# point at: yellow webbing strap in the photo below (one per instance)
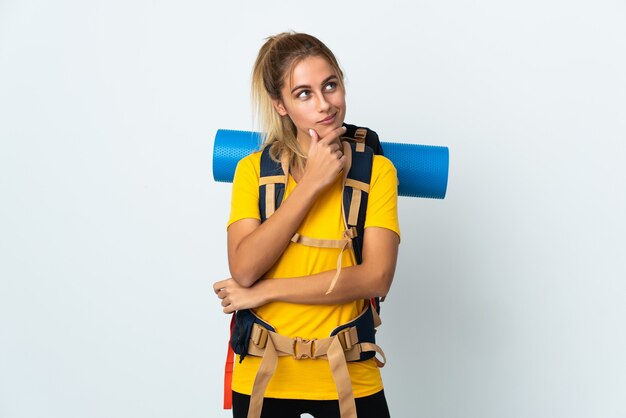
(338, 349)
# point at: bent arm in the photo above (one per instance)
(370, 279)
(253, 247)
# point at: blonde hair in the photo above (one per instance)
(277, 58)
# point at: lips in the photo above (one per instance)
(328, 120)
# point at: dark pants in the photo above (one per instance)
(373, 406)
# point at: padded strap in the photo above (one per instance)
(347, 152)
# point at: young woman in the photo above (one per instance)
(298, 91)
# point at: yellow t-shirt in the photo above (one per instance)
(311, 378)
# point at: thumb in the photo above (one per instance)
(314, 136)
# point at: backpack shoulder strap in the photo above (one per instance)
(272, 184)
(356, 192)
(364, 143)
(364, 135)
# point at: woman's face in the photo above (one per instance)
(312, 97)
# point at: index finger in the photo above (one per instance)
(333, 135)
(217, 286)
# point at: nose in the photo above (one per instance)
(323, 104)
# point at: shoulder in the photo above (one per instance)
(384, 174)
(247, 172)
(382, 164)
(250, 163)
(253, 158)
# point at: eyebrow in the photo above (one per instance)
(302, 86)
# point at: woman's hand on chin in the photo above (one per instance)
(325, 158)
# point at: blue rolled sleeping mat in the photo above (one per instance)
(422, 169)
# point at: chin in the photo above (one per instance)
(325, 130)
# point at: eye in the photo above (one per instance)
(304, 94)
(330, 86)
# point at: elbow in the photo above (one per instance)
(382, 283)
(244, 277)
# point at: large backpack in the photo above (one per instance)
(355, 339)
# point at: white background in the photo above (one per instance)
(509, 298)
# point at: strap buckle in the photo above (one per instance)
(345, 339)
(259, 336)
(303, 348)
(350, 233)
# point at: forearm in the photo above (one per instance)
(371, 278)
(354, 283)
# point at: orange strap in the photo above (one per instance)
(228, 370)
